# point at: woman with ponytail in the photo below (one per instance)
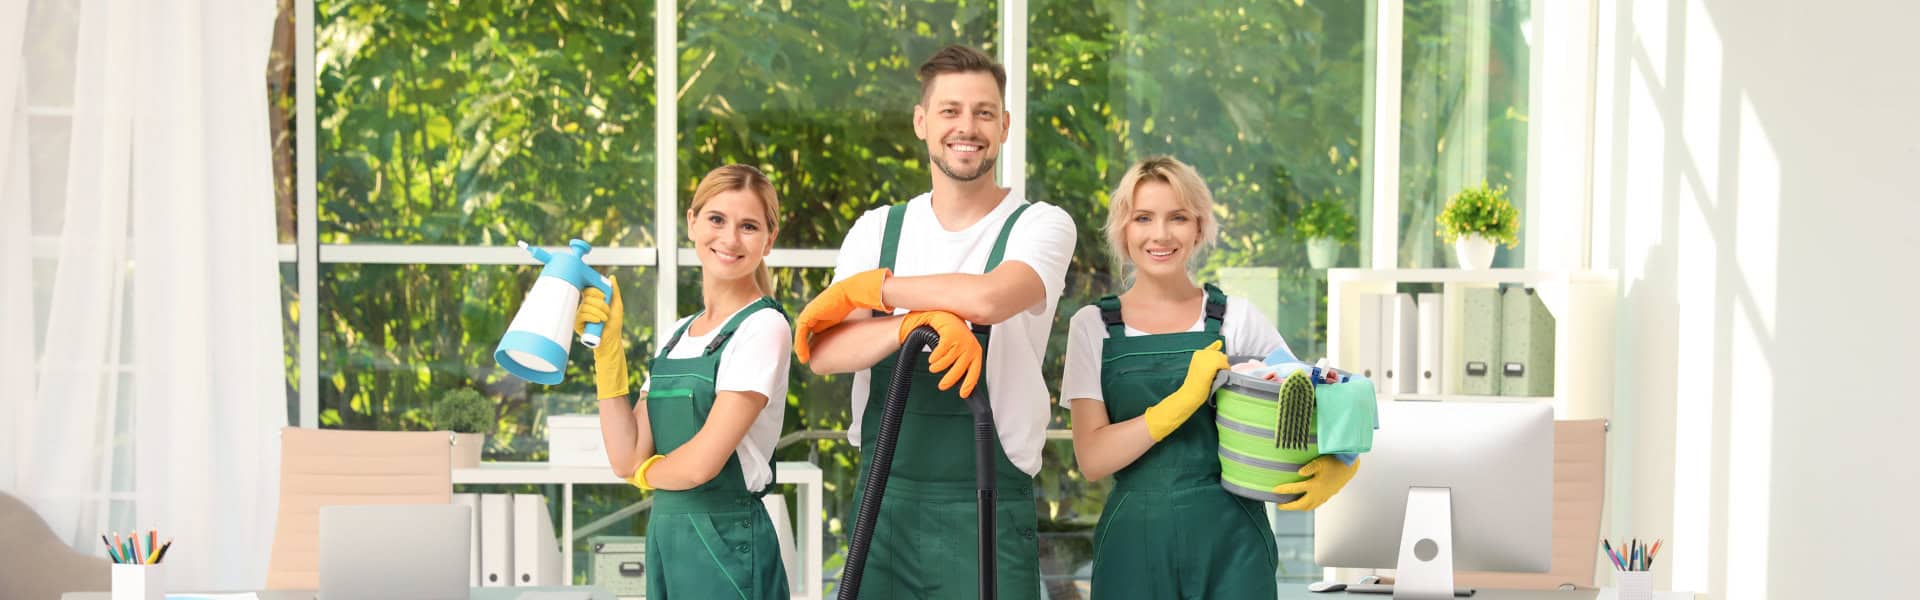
(702, 432)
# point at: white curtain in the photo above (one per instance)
(162, 380)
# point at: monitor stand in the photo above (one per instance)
(1425, 569)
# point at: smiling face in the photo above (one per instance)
(963, 123)
(731, 232)
(1161, 234)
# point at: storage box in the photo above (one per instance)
(1480, 341)
(574, 441)
(1526, 344)
(620, 564)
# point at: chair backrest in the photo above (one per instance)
(776, 505)
(336, 467)
(36, 563)
(1579, 487)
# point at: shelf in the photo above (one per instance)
(1464, 398)
(1487, 276)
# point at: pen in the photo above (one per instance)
(110, 551)
(162, 555)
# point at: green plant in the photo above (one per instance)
(463, 411)
(1327, 218)
(1481, 210)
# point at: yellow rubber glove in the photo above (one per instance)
(1167, 415)
(1325, 475)
(958, 354)
(610, 357)
(832, 306)
(639, 477)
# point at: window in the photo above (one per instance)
(445, 134)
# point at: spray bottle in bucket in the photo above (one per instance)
(535, 346)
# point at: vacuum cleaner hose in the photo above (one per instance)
(877, 472)
(868, 511)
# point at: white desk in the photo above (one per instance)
(1299, 592)
(807, 534)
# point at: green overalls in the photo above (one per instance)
(715, 540)
(926, 538)
(1168, 530)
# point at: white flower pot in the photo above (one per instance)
(1323, 252)
(466, 449)
(1473, 251)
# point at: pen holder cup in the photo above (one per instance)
(1627, 585)
(139, 582)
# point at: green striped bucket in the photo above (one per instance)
(1251, 459)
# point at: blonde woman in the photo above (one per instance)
(1168, 529)
(701, 435)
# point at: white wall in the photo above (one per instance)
(1757, 185)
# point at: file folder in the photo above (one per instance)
(1526, 344)
(1402, 343)
(536, 551)
(1427, 365)
(1480, 341)
(472, 502)
(496, 540)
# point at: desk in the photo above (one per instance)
(1299, 592)
(807, 533)
(493, 593)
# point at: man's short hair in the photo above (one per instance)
(957, 58)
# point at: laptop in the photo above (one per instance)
(377, 552)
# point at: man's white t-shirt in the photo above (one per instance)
(755, 360)
(1043, 240)
(1246, 333)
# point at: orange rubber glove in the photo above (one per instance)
(832, 306)
(610, 357)
(958, 354)
(1325, 476)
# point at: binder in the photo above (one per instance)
(536, 551)
(1368, 335)
(472, 502)
(1427, 365)
(1401, 343)
(1479, 341)
(496, 540)
(1526, 344)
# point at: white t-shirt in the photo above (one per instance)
(755, 360)
(1246, 332)
(1043, 240)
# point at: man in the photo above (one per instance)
(985, 269)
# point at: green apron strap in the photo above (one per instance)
(675, 340)
(1110, 314)
(1006, 231)
(1216, 308)
(726, 330)
(890, 241)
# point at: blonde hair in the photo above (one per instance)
(1187, 187)
(733, 178)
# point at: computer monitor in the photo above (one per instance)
(1448, 485)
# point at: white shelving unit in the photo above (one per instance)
(1582, 303)
(807, 533)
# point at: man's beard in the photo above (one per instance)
(986, 164)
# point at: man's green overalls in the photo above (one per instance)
(715, 540)
(926, 538)
(1168, 530)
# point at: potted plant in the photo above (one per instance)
(469, 416)
(1474, 220)
(1327, 226)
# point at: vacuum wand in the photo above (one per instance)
(891, 413)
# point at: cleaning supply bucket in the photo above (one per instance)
(1251, 420)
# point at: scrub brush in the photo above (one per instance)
(1295, 427)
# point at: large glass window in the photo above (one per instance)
(1265, 100)
(485, 122)
(471, 126)
(1463, 115)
